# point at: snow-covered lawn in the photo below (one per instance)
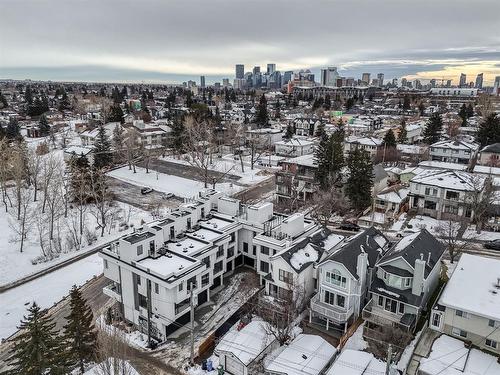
(15, 265)
(356, 341)
(45, 291)
(179, 186)
(227, 164)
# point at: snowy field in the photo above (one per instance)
(15, 265)
(227, 164)
(179, 186)
(45, 291)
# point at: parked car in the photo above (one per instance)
(346, 225)
(493, 245)
(167, 196)
(146, 190)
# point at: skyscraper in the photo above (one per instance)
(479, 81)
(496, 86)
(366, 78)
(271, 68)
(225, 82)
(463, 80)
(287, 77)
(202, 82)
(380, 78)
(240, 71)
(256, 69)
(329, 76)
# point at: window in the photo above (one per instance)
(143, 301)
(459, 332)
(340, 300)
(138, 278)
(181, 286)
(264, 267)
(380, 301)
(491, 343)
(191, 282)
(206, 260)
(157, 288)
(218, 267)
(329, 298)
(407, 281)
(139, 250)
(105, 263)
(430, 205)
(335, 278)
(205, 279)
(390, 305)
(254, 249)
(220, 252)
(233, 237)
(188, 223)
(436, 320)
(285, 276)
(491, 323)
(401, 308)
(264, 250)
(461, 313)
(230, 252)
(245, 247)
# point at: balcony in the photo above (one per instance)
(381, 317)
(335, 313)
(113, 291)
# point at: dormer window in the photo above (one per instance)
(336, 278)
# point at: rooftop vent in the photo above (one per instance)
(304, 356)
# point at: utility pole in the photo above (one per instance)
(389, 360)
(191, 305)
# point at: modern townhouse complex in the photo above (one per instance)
(468, 307)
(453, 151)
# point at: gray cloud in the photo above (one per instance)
(192, 37)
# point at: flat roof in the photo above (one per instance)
(166, 265)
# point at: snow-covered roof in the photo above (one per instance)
(306, 160)
(455, 145)
(484, 169)
(108, 366)
(166, 265)
(433, 164)
(305, 355)
(355, 362)
(305, 255)
(455, 180)
(295, 142)
(393, 195)
(77, 150)
(247, 343)
(476, 278)
(449, 356)
(367, 141)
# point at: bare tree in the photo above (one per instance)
(449, 234)
(479, 199)
(282, 313)
(21, 224)
(132, 147)
(199, 145)
(328, 202)
(35, 162)
(102, 199)
(5, 169)
(113, 353)
(50, 165)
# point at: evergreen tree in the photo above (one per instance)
(403, 135)
(102, 149)
(28, 95)
(262, 117)
(277, 111)
(13, 130)
(360, 180)
(36, 350)
(327, 103)
(117, 141)
(320, 130)
(463, 114)
(421, 108)
(3, 101)
(336, 153)
(433, 129)
(79, 174)
(115, 114)
(44, 126)
(189, 99)
(406, 103)
(470, 110)
(178, 134)
(322, 158)
(389, 139)
(64, 103)
(329, 156)
(79, 333)
(489, 131)
(289, 132)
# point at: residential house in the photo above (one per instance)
(296, 180)
(344, 277)
(405, 278)
(469, 306)
(88, 137)
(370, 144)
(490, 155)
(356, 362)
(446, 194)
(76, 151)
(264, 136)
(294, 147)
(453, 151)
(305, 126)
(359, 125)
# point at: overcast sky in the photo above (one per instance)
(174, 40)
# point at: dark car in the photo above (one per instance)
(349, 226)
(146, 190)
(493, 245)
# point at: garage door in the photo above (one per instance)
(233, 366)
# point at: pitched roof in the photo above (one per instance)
(495, 147)
(411, 247)
(370, 241)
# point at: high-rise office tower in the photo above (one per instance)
(433, 82)
(448, 83)
(202, 81)
(287, 77)
(256, 69)
(463, 80)
(240, 71)
(380, 78)
(271, 68)
(479, 81)
(329, 76)
(225, 82)
(496, 86)
(366, 78)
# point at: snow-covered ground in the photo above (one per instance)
(45, 291)
(227, 164)
(356, 341)
(179, 186)
(15, 265)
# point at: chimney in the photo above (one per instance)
(362, 268)
(429, 258)
(418, 276)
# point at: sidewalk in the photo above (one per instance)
(422, 350)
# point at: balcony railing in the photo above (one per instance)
(335, 313)
(113, 291)
(379, 316)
